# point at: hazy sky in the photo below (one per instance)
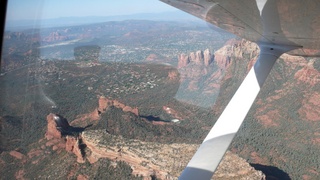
(45, 9)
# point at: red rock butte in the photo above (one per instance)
(105, 103)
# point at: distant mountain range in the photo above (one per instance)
(72, 21)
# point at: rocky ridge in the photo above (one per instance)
(147, 159)
(104, 104)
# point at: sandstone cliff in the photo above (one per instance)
(57, 126)
(200, 75)
(61, 135)
(200, 58)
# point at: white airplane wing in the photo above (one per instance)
(277, 26)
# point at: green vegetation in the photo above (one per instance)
(119, 171)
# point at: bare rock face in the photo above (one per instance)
(73, 145)
(17, 154)
(105, 103)
(173, 75)
(199, 58)
(56, 126)
(93, 117)
(208, 58)
(192, 56)
(199, 76)
(82, 177)
(308, 75)
(183, 60)
(310, 108)
(223, 56)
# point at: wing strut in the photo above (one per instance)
(208, 156)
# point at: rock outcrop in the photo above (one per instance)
(198, 58)
(73, 145)
(58, 136)
(105, 103)
(183, 60)
(164, 161)
(56, 127)
(55, 36)
(308, 75)
(208, 58)
(173, 75)
(200, 75)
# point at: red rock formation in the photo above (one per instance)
(70, 143)
(117, 104)
(55, 126)
(192, 57)
(86, 119)
(20, 174)
(208, 59)
(73, 145)
(183, 60)
(310, 108)
(192, 74)
(269, 119)
(17, 154)
(222, 57)
(173, 75)
(82, 177)
(132, 110)
(105, 103)
(198, 58)
(308, 75)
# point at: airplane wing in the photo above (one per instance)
(277, 26)
(283, 22)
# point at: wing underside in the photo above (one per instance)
(284, 22)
